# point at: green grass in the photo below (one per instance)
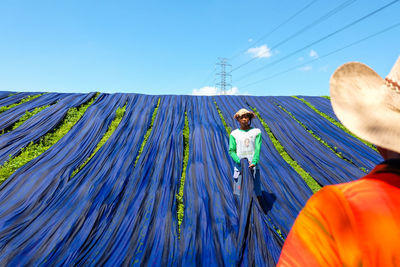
(333, 149)
(314, 186)
(119, 114)
(179, 196)
(33, 150)
(227, 128)
(336, 123)
(29, 98)
(147, 134)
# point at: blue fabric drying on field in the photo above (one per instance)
(152, 220)
(350, 147)
(284, 190)
(322, 104)
(38, 125)
(315, 158)
(4, 94)
(90, 209)
(113, 213)
(14, 98)
(32, 187)
(210, 224)
(143, 229)
(211, 228)
(256, 245)
(11, 116)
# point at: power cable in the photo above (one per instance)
(309, 26)
(209, 76)
(321, 39)
(275, 29)
(323, 56)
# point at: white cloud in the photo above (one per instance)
(305, 68)
(313, 54)
(260, 52)
(210, 90)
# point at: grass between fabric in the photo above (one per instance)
(179, 196)
(119, 114)
(333, 149)
(227, 128)
(34, 150)
(147, 134)
(314, 186)
(335, 122)
(29, 98)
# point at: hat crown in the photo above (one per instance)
(243, 111)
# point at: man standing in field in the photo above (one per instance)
(356, 223)
(245, 142)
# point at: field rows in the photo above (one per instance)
(128, 179)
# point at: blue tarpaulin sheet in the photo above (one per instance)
(348, 146)
(35, 127)
(6, 101)
(283, 188)
(303, 147)
(322, 104)
(116, 213)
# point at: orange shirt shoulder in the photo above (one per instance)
(351, 224)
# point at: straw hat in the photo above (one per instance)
(244, 111)
(367, 104)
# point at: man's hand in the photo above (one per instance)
(251, 166)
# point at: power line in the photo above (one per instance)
(321, 39)
(275, 29)
(323, 56)
(209, 76)
(309, 26)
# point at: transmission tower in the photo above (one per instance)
(224, 75)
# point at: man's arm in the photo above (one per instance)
(256, 156)
(232, 149)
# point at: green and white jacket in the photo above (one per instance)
(245, 144)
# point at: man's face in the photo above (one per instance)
(244, 120)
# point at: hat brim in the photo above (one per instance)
(363, 103)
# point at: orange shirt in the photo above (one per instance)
(350, 224)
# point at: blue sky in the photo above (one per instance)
(171, 47)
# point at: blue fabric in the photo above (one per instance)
(210, 223)
(285, 191)
(322, 104)
(255, 232)
(38, 125)
(11, 116)
(32, 187)
(6, 101)
(113, 213)
(4, 94)
(237, 180)
(350, 147)
(303, 147)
